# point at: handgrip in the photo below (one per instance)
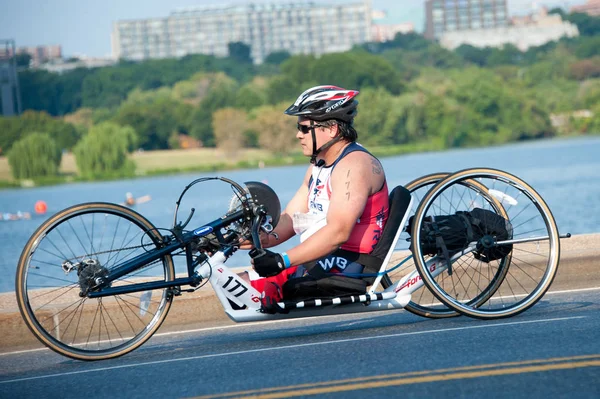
(256, 252)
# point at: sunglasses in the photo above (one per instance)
(306, 128)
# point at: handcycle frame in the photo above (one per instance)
(231, 288)
(63, 317)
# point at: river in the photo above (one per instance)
(566, 172)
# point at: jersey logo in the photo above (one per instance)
(333, 261)
(318, 187)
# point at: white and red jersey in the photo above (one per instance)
(369, 226)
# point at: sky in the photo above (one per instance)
(83, 27)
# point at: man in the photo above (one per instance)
(340, 208)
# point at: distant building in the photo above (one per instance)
(386, 32)
(442, 16)
(524, 32)
(41, 54)
(61, 65)
(592, 7)
(299, 28)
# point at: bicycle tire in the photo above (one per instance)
(526, 212)
(421, 304)
(59, 261)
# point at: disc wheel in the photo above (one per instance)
(532, 248)
(423, 302)
(60, 264)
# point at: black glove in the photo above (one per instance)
(267, 263)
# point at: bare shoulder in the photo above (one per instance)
(360, 166)
(363, 162)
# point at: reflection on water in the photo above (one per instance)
(565, 172)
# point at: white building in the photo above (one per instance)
(299, 28)
(61, 66)
(524, 32)
(386, 32)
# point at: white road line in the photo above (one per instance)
(245, 352)
(241, 325)
(569, 291)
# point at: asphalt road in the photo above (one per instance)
(551, 350)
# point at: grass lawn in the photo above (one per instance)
(173, 161)
(153, 161)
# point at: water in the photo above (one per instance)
(565, 172)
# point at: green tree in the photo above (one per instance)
(23, 60)
(240, 52)
(588, 95)
(594, 123)
(109, 86)
(474, 55)
(229, 125)
(403, 41)
(275, 129)
(250, 96)
(399, 59)
(16, 127)
(588, 25)
(559, 95)
(283, 88)
(434, 56)
(103, 151)
(588, 47)
(35, 155)
(220, 93)
(277, 57)
(156, 121)
(508, 54)
(375, 106)
(50, 92)
(585, 69)
(356, 69)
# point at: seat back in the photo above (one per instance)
(400, 205)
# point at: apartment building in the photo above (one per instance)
(299, 28)
(592, 7)
(443, 16)
(523, 32)
(39, 54)
(386, 32)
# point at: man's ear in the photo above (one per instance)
(334, 131)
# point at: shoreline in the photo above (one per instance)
(252, 160)
(578, 267)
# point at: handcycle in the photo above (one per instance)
(96, 280)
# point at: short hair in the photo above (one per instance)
(346, 129)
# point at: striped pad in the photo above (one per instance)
(342, 300)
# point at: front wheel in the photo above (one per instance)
(59, 265)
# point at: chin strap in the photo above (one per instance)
(315, 151)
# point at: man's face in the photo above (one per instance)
(304, 134)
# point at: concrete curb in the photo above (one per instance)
(578, 269)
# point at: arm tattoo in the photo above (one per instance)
(348, 186)
(376, 167)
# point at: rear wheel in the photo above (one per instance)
(532, 246)
(423, 302)
(61, 262)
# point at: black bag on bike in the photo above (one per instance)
(447, 234)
